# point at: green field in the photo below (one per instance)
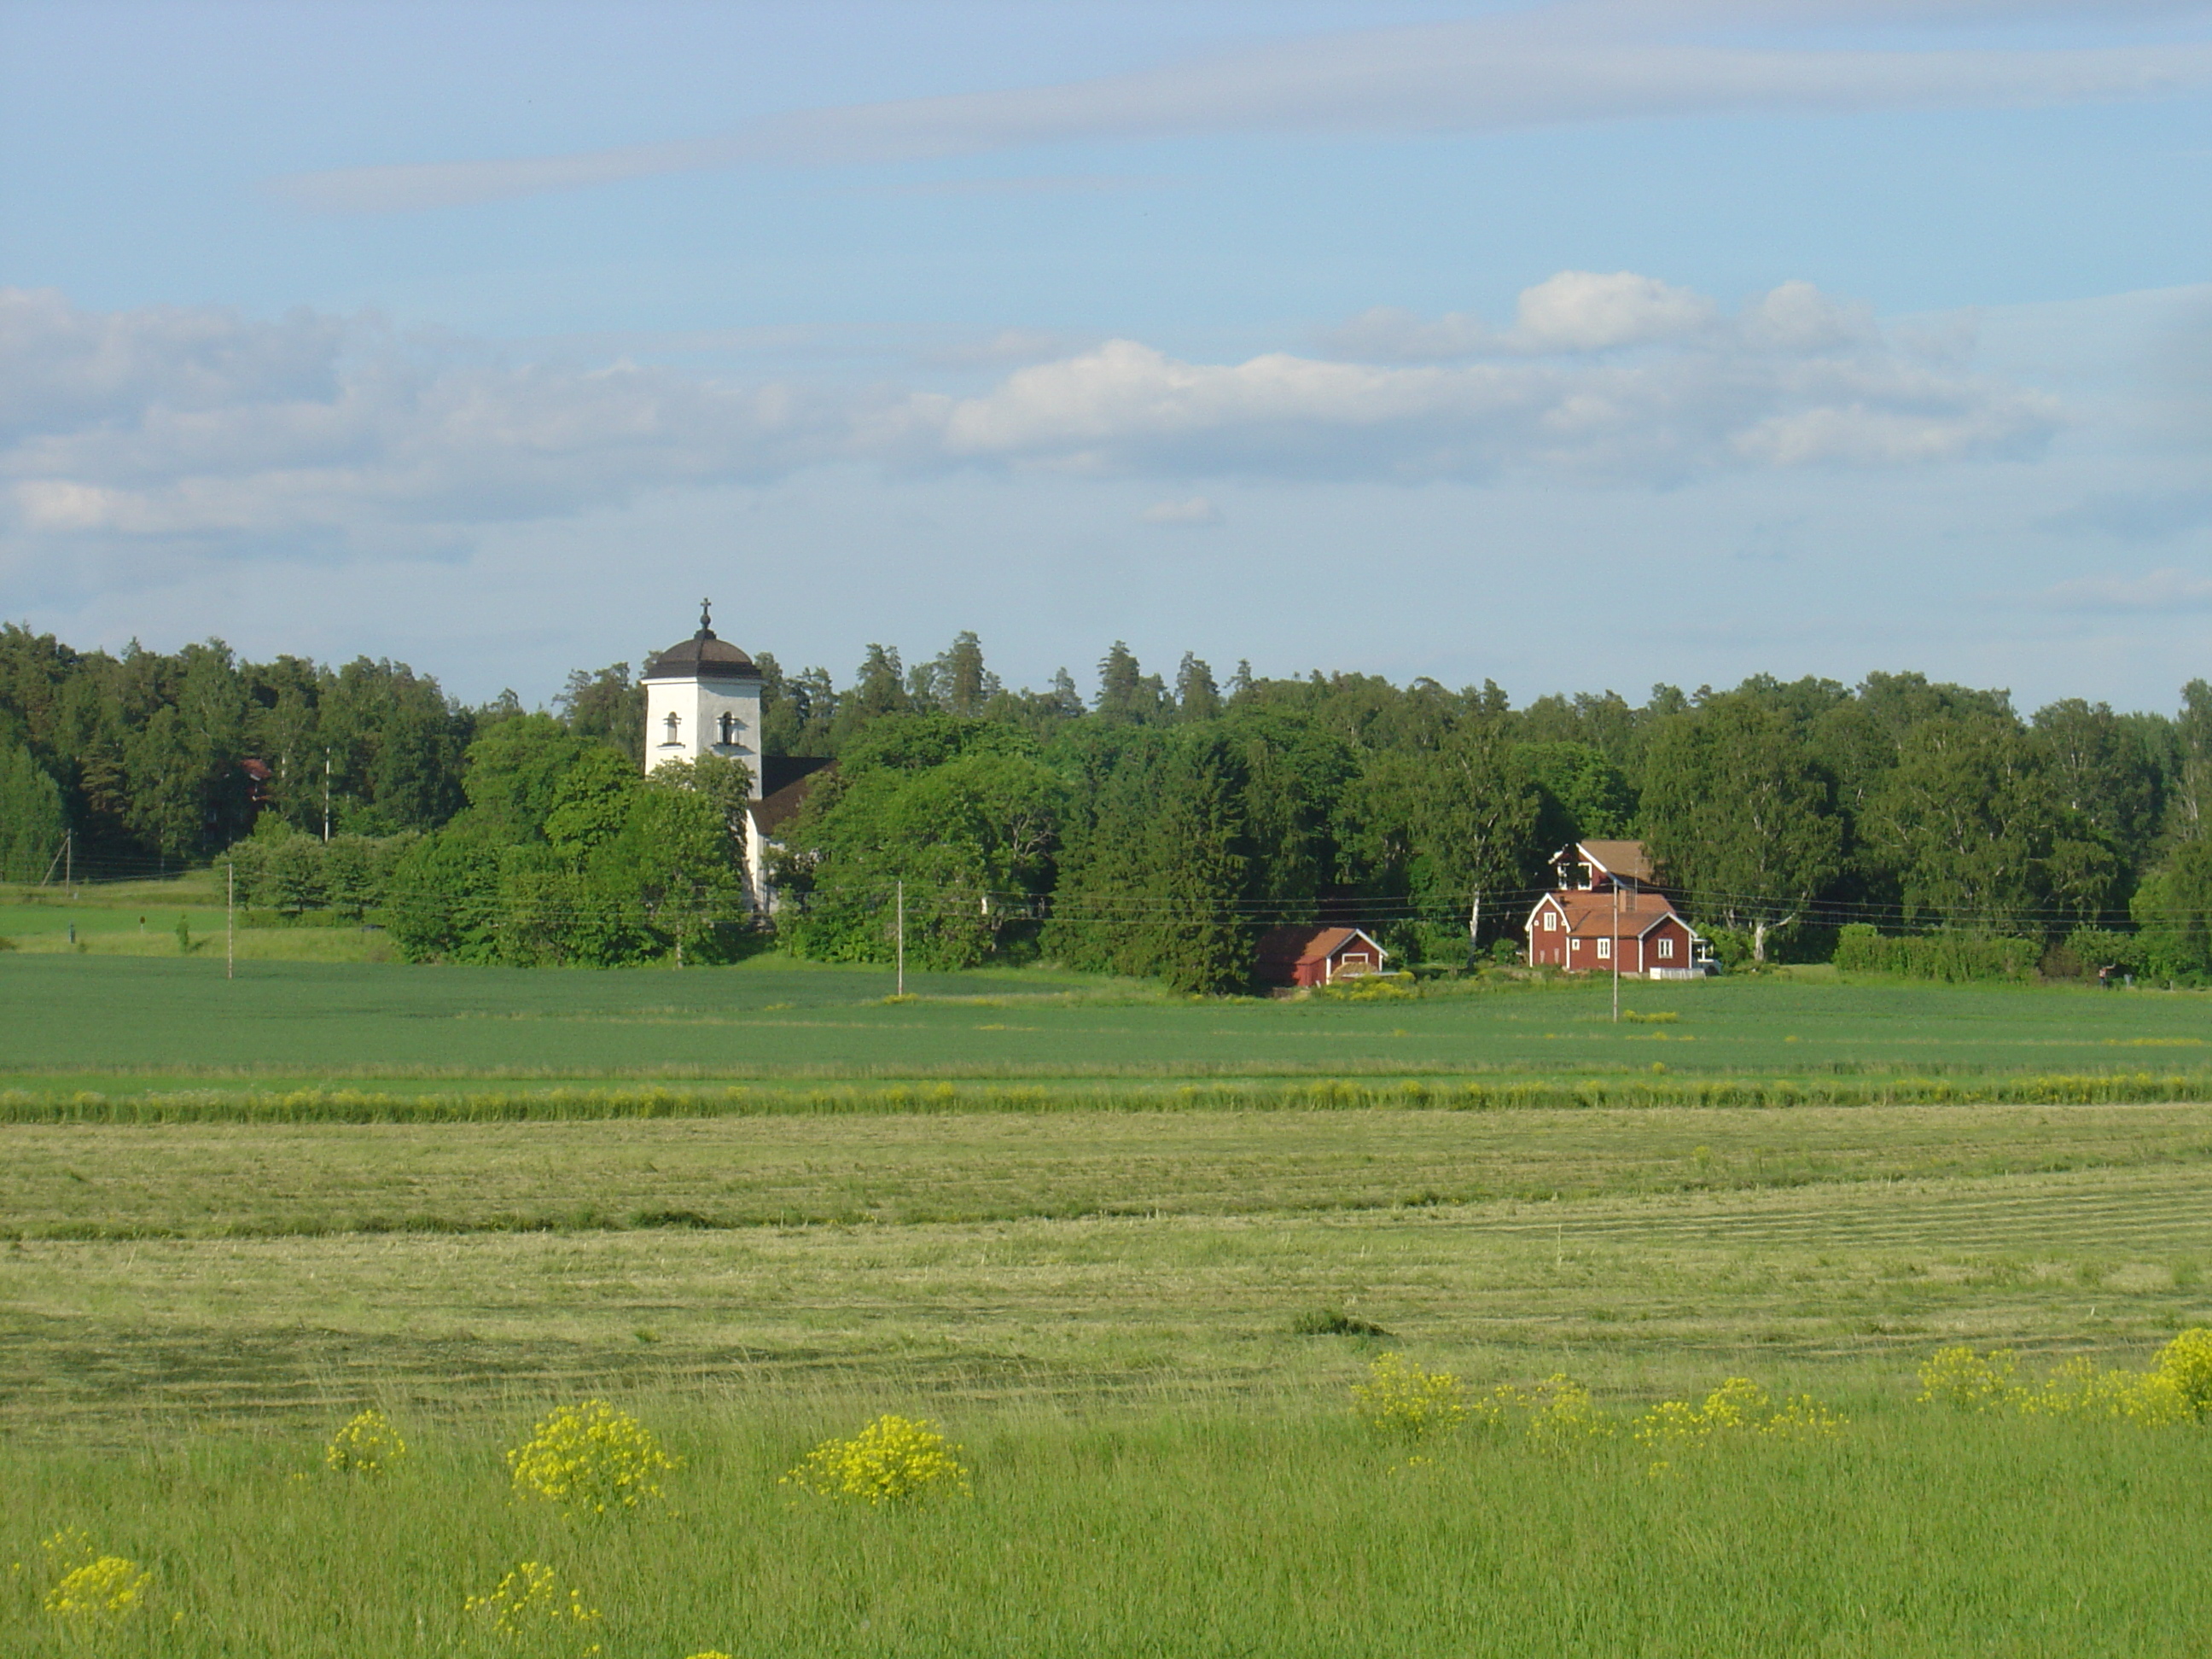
(1103, 1237)
(137, 1023)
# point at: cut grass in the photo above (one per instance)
(1114, 1315)
(237, 1273)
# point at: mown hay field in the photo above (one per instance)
(1142, 1331)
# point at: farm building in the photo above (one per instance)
(1608, 914)
(1315, 956)
(1599, 865)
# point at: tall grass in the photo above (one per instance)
(572, 1104)
(1176, 1532)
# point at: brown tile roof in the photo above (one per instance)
(1591, 914)
(1620, 858)
(1305, 944)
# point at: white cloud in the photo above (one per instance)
(1195, 510)
(1794, 379)
(1565, 62)
(1582, 310)
(166, 423)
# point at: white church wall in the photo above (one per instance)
(697, 707)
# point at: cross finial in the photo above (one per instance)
(706, 617)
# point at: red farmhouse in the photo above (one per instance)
(1315, 956)
(1607, 912)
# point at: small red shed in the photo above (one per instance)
(1315, 956)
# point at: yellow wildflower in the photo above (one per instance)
(1970, 1382)
(893, 1458)
(1401, 1402)
(1562, 1415)
(2177, 1386)
(92, 1590)
(527, 1603)
(2186, 1363)
(589, 1458)
(368, 1444)
(1738, 1406)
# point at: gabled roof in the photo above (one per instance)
(1295, 944)
(1591, 914)
(1625, 859)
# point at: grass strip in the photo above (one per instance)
(318, 1105)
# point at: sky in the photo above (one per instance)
(1574, 344)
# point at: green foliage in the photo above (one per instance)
(1951, 958)
(31, 819)
(1155, 874)
(515, 774)
(974, 835)
(443, 901)
(2173, 907)
(1587, 795)
(1741, 814)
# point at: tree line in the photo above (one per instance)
(1151, 827)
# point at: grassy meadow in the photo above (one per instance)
(1132, 1254)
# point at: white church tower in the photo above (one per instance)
(703, 696)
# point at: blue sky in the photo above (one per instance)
(1574, 346)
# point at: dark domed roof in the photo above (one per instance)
(701, 657)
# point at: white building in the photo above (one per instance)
(703, 696)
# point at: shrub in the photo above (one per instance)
(892, 1461)
(1562, 1416)
(1401, 1402)
(1953, 959)
(1738, 1407)
(589, 1458)
(2186, 1362)
(1969, 1382)
(2177, 1386)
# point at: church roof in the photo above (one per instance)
(701, 657)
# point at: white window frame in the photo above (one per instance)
(1666, 948)
(1605, 950)
(1550, 922)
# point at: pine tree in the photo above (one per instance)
(1197, 697)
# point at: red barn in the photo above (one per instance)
(1315, 956)
(1613, 918)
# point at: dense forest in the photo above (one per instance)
(1151, 827)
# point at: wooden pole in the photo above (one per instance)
(1616, 952)
(230, 920)
(901, 938)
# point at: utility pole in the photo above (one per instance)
(326, 797)
(68, 862)
(1616, 950)
(901, 938)
(230, 920)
